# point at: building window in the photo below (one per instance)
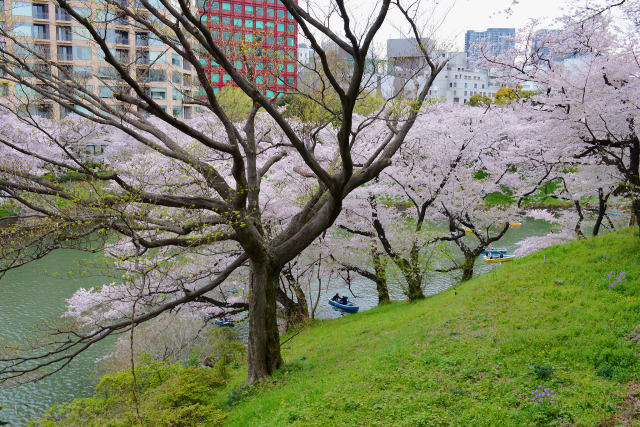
(158, 93)
(260, 11)
(176, 95)
(176, 77)
(107, 72)
(270, 12)
(280, 27)
(291, 28)
(226, 6)
(248, 23)
(41, 31)
(40, 11)
(177, 112)
(121, 37)
(280, 13)
(105, 92)
(176, 59)
(20, 8)
(237, 22)
(226, 21)
(259, 25)
(248, 10)
(64, 34)
(62, 15)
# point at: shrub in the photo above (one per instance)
(168, 395)
(542, 371)
(605, 371)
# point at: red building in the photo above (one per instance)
(260, 36)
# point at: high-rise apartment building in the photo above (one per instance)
(62, 46)
(259, 36)
(494, 41)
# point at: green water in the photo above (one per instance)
(36, 293)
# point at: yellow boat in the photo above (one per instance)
(505, 258)
(468, 230)
(511, 224)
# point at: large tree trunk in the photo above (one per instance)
(414, 289)
(264, 340)
(635, 213)
(467, 268)
(381, 273)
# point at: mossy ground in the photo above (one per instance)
(565, 319)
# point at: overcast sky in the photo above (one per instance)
(482, 14)
(463, 15)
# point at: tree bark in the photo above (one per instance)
(635, 213)
(414, 289)
(381, 273)
(263, 353)
(602, 211)
(467, 268)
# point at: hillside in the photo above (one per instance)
(563, 319)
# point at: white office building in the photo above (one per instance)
(456, 83)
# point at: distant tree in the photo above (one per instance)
(479, 100)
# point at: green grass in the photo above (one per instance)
(468, 356)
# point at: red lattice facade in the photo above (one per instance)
(259, 36)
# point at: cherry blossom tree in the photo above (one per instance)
(587, 74)
(197, 202)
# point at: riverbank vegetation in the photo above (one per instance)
(549, 339)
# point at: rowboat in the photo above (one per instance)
(506, 258)
(494, 251)
(224, 323)
(349, 306)
(511, 224)
(614, 213)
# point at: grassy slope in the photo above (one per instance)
(466, 356)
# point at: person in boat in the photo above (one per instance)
(344, 300)
(336, 297)
(501, 255)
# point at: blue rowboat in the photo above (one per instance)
(224, 323)
(614, 213)
(350, 307)
(494, 251)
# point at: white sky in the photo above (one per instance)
(482, 14)
(461, 15)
